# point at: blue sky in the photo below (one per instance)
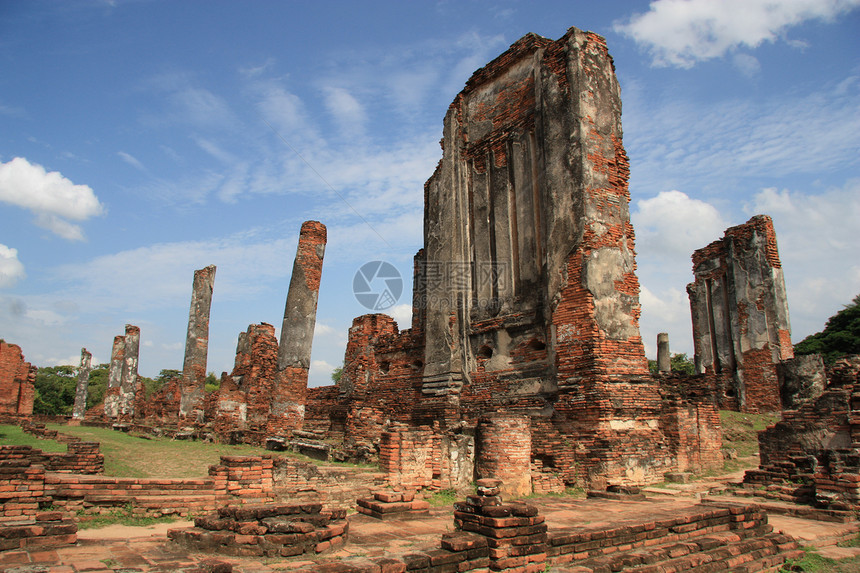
(141, 140)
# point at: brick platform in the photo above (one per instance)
(271, 530)
(393, 505)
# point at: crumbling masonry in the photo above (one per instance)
(81, 388)
(16, 383)
(741, 329)
(192, 385)
(525, 296)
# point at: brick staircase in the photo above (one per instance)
(733, 538)
(99, 494)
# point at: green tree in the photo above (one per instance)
(98, 385)
(55, 390)
(841, 335)
(213, 383)
(679, 362)
(336, 374)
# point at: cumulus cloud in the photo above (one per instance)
(49, 195)
(684, 32)
(674, 224)
(11, 269)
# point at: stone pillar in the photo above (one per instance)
(287, 409)
(192, 387)
(117, 358)
(664, 362)
(83, 383)
(128, 382)
(504, 447)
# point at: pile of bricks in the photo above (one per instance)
(246, 477)
(545, 479)
(44, 529)
(393, 505)
(515, 533)
(270, 530)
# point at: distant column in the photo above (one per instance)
(664, 363)
(83, 384)
(128, 383)
(192, 388)
(117, 358)
(287, 409)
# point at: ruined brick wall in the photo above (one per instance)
(241, 404)
(740, 315)
(16, 382)
(815, 444)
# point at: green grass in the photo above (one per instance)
(812, 562)
(444, 497)
(120, 516)
(740, 430)
(129, 456)
(15, 436)
(853, 542)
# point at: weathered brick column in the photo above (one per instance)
(192, 386)
(287, 409)
(504, 444)
(128, 382)
(83, 383)
(117, 358)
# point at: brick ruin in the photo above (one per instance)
(17, 377)
(119, 400)
(81, 388)
(741, 328)
(525, 298)
(525, 330)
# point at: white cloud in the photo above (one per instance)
(11, 269)
(131, 160)
(684, 32)
(402, 313)
(347, 110)
(748, 65)
(674, 224)
(49, 195)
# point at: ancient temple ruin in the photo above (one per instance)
(741, 328)
(525, 300)
(524, 355)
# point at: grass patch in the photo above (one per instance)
(740, 430)
(812, 562)
(15, 436)
(120, 516)
(129, 456)
(443, 497)
(853, 542)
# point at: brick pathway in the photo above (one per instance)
(127, 549)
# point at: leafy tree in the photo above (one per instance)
(840, 337)
(213, 383)
(98, 385)
(678, 362)
(336, 374)
(55, 390)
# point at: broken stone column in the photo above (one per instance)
(287, 410)
(117, 358)
(83, 383)
(192, 386)
(128, 382)
(664, 362)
